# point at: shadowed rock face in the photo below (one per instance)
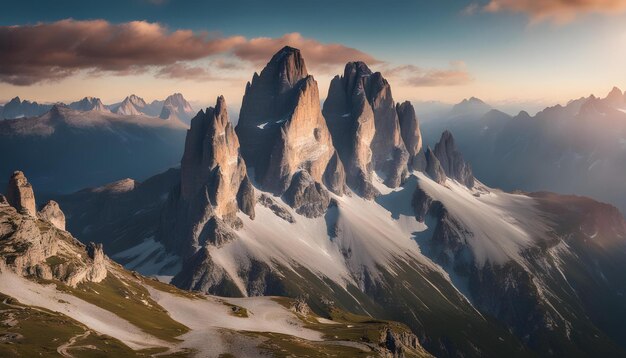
(282, 128)
(411, 135)
(20, 194)
(452, 160)
(362, 117)
(307, 196)
(433, 167)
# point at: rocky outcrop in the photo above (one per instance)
(52, 213)
(20, 194)
(96, 271)
(32, 247)
(246, 198)
(282, 129)
(362, 117)
(452, 160)
(433, 167)
(399, 344)
(307, 196)
(276, 208)
(200, 273)
(411, 135)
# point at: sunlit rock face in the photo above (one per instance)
(211, 159)
(52, 213)
(20, 194)
(214, 185)
(37, 245)
(282, 129)
(362, 117)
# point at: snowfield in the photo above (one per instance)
(501, 224)
(212, 322)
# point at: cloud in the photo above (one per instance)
(415, 76)
(557, 10)
(53, 51)
(260, 50)
(184, 71)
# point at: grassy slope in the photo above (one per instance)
(42, 332)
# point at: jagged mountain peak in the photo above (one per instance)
(411, 134)
(363, 119)
(615, 98)
(176, 107)
(89, 104)
(472, 106)
(287, 67)
(452, 160)
(281, 126)
(214, 184)
(133, 98)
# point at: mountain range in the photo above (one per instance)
(174, 108)
(341, 208)
(579, 148)
(65, 149)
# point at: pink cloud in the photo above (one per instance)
(557, 10)
(416, 76)
(53, 51)
(317, 54)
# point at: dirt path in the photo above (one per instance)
(62, 350)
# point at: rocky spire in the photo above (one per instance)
(214, 186)
(211, 160)
(282, 129)
(452, 160)
(20, 194)
(362, 117)
(411, 135)
(52, 213)
(433, 167)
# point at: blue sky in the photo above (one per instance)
(510, 56)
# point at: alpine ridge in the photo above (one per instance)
(370, 227)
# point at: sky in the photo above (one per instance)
(518, 54)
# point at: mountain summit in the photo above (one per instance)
(282, 129)
(363, 120)
(176, 107)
